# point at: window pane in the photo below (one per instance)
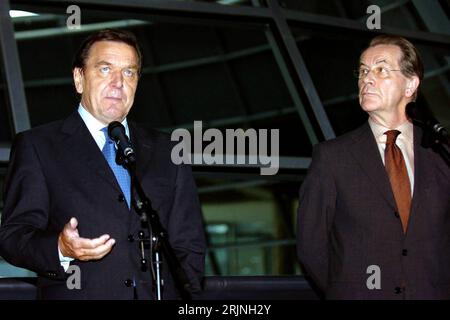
(250, 232)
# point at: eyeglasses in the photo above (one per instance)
(379, 71)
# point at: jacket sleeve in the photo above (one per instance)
(26, 238)
(314, 220)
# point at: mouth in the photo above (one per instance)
(367, 93)
(113, 99)
(115, 95)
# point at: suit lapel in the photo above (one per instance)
(142, 146)
(80, 145)
(366, 152)
(420, 181)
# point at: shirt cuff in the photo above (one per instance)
(64, 261)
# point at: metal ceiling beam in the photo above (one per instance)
(13, 74)
(62, 31)
(301, 70)
(169, 6)
(295, 96)
(290, 84)
(39, 18)
(346, 25)
(433, 16)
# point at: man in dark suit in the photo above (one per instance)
(374, 210)
(68, 204)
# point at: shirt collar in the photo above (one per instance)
(406, 130)
(94, 125)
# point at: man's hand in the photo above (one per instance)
(72, 245)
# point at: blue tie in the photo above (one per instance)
(122, 175)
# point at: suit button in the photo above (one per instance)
(51, 274)
(398, 290)
(404, 252)
(130, 238)
(121, 198)
(396, 214)
(128, 282)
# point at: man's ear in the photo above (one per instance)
(78, 79)
(411, 86)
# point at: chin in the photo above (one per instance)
(114, 110)
(368, 108)
(369, 105)
(113, 117)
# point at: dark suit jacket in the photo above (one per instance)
(348, 221)
(57, 171)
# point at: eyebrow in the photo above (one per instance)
(377, 62)
(103, 62)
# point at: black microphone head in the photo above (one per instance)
(116, 130)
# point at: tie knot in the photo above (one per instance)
(391, 136)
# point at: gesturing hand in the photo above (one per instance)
(72, 245)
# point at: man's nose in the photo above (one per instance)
(369, 78)
(117, 79)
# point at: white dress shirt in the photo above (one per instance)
(405, 141)
(95, 128)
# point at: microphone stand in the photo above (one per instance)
(158, 235)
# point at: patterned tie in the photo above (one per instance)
(122, 175)
(398, 176)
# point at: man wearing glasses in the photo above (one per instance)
(373, 217)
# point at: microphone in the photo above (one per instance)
(424, 118)
(116, 132)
